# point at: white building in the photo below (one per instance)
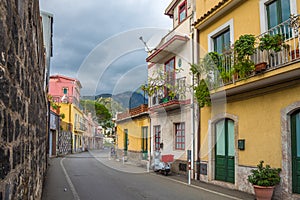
(171, 116)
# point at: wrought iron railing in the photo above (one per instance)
(289, 53)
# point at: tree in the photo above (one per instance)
(99, 110)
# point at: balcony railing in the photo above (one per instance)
(288, 54)
(80, 126)
(162, 95)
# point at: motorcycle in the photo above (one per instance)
(161, 165)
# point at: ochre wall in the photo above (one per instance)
(244, 22)
(134, 128)
(259, 123)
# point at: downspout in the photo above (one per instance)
(199, 117)
(192, 104)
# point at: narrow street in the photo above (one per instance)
(93, 179)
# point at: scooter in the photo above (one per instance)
(160, 166)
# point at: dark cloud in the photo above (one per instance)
(82, 26)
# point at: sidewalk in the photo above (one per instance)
(104, 157)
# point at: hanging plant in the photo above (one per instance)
(202, 94)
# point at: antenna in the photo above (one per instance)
(145, 44)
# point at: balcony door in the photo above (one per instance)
(224, 151)
(295, 133)
(278, 11)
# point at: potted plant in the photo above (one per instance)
(244, 48)
(264, 179)
(272, 44)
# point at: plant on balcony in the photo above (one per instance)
(264, 180)
(244, 48)
(202, 94)
(157, 82)
(272, 44)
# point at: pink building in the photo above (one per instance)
(65, 89)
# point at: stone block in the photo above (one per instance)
(4, 163)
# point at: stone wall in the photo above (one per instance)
(23, 108)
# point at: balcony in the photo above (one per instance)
(80, 127)
(279, 65)
(133, 112)
(163, 100)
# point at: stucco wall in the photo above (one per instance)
(259, 124)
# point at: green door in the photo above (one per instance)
(295, 130)
(224, 151)
(125, 142)
(145, 143)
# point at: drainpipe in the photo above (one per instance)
(199, 116)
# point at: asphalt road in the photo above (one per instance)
(89, 179)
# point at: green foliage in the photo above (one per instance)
(244, 46)
(244, 68)
(111, 105)
(99, 110)
(264, 176)
(272, 42)
(62, 115)
(202, 94)
(158, 82)
(52, 103)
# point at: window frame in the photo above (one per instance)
(157, 134)
(182, 8)
(181, 137)
(222, 35)
(67, 89)
(170, 74)
(264, 16)
(219, 30)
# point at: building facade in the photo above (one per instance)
(92, 139)
(253, 117)
(133, 135)
(170, 107)
(65, 92)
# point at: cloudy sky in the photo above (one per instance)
(97, 41)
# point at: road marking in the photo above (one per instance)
(75, 194)
(198, 187)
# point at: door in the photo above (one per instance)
(224, 151)
(145, 143)
(125, 142)
(50, 143)
(295, 133)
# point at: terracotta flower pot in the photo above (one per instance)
(263, 192)
(260, 67)
(295, 54)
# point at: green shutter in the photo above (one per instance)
(224, 164)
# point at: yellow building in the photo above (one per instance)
(73, 115)
(255, 116)
(133, 138)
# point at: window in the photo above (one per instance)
(182, 11)
(157, 138)
(278, 11)
(222, 41)
(170, 73)
(180, 136)
(65, 90)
